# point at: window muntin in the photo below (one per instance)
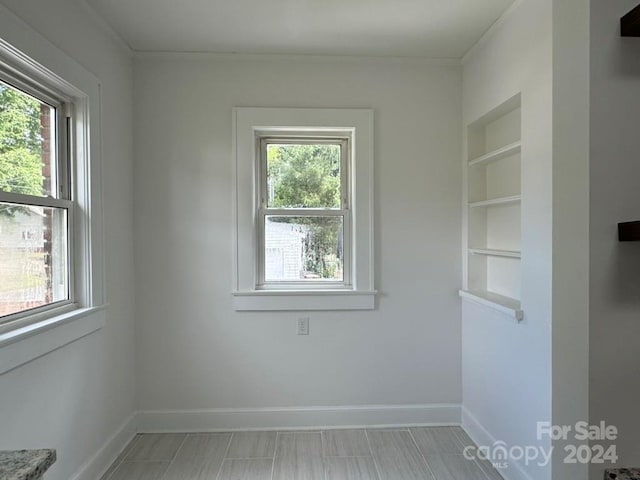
(303, 212)
(35, 203)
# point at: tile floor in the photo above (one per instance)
(375, 454)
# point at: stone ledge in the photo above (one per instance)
(25, 464)
(622, 474)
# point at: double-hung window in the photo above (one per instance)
(303, 196)
(304, 216)
(51, 249)
(36, 214)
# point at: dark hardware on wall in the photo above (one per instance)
(630, 23)
(629, 232)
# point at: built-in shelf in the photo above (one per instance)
(496, 155)
(495, 253)
(629, 231)
(497, 201)
(630, 23)
(493, 191)
(506, 305)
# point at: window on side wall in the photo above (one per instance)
(35, 202)
(303, 209)
(49, 263)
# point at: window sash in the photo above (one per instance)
(263, 211)
(24, 317)
(63, 106)
(262, 283)
(61, 195)
(345, 154)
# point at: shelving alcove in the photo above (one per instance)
(493, 216)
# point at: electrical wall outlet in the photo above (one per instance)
(303, 326)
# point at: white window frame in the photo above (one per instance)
(61, 198)
(309, 138)
(33, 62)
(250, 127)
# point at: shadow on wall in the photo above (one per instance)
(626, 60)
(625, 280)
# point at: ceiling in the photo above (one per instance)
(421, 28)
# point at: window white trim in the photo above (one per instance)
(27, 53)
(27, 343)
(343, 139)
(248, 125)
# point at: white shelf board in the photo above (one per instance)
(497, 154)
(495, 253)
(497, 201)
(506, 305)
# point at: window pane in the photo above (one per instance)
(27, 144)
(33, 257)
(303, 176)
(304, 248)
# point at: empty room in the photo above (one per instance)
(319, 240)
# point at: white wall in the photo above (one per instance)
(75, 398)
(194, 351)
(615, 197)
(506, 365)
(570, 338)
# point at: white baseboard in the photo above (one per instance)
(482, 437)
(98, 464)
(229, 419)
(290, 418)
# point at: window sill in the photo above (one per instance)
(25, 344)
(299, 300)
